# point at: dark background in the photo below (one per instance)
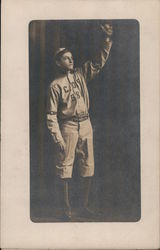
(115, 115)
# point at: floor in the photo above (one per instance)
(56, 215)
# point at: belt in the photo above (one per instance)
(76, 118)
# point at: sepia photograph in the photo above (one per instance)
(80, 124)
(84, 90)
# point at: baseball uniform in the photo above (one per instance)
(68, 118)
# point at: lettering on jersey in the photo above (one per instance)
(66, 89)
(78, 94)
(77, 80)
(74, 85)
(75, 96)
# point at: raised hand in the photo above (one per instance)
(107, 28)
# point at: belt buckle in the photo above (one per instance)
(75, 119)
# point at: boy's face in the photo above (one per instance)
(66, 61)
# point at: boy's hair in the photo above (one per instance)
(60, 52)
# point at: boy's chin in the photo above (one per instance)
(70, 68)
(67, 69)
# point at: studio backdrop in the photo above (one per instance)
(114, 112)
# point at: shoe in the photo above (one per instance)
(67, 216)
(87, 213)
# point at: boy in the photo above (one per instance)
(68, 118)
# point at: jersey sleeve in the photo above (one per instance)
(52, 107)
(92, 67)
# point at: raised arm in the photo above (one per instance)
(91, 68)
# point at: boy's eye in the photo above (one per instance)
(67, 58)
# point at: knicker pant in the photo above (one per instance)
(78, 138)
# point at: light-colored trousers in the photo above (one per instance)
(78, 138)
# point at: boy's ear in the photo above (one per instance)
(58, 63)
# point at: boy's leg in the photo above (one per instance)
(86, 166)
(64, 164)
(86, 186)
(63, 186)
(85, 211)
(66, 205)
